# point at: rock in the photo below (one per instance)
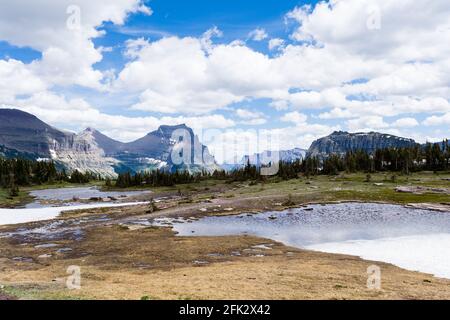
(421, 190)
(22, 259)
(340, 143)
(263, 246)
(133, 227)
(378, 184)
(441, 207)
(46, 245)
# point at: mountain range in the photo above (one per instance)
(23, 134)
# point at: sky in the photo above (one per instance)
(235, 71)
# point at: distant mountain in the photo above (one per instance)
(265, 157)
(155, 151)
(443, 144)
(24, 135)
(283, 155)
(341, 142)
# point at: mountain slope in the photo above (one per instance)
(26, 133)
(156, 149)
(341, 142)
(23, 134)
(108, 145)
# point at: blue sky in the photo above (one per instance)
(299, 69)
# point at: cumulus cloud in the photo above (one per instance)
(359, 60)
(258, 34)
(294, 117)
(275, 43)
(405, 123)
(62, 112)
(63, 32)
(251, 117)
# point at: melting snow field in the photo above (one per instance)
(417, 240)
(426, 253)
(15, 216)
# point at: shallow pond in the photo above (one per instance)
(410, 238)
(49, 203)
(15, 216)
(73, 195)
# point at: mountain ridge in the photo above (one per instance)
(340, 142)
(91, 150)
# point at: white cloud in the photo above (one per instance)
(65, 114)
(207, 37)
(258, 34)
(336, 64)
(367, 123)
(248, 114)
(405, 123)
(294, 117)
(17, 79)
(251, 117)
(275, 43)
(52, 28)
(438, 120)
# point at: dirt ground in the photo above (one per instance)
(119, 260)
(152, 263)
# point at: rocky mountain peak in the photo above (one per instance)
(340, 142)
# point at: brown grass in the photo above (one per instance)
(117, 263)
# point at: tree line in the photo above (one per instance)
(24, 172)
(434, 157)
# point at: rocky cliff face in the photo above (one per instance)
(157, 150)
(24, 134)
(83, 152)
(341, 142)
